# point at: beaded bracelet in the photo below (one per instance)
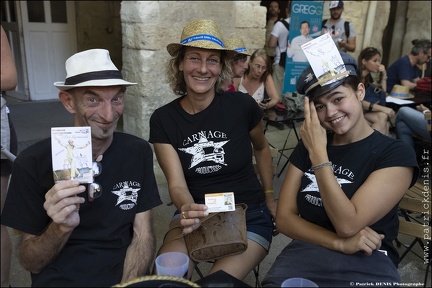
(316, 167)
(268, 191)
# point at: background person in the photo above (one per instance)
(273, 12)
(344, 35)
(376, 113)
(65, 240)
(404, 71)
(239, 63)
(191, 126)
(410, 122)
(257, 81)
(339, 199)
(279, 41)
(9, 140)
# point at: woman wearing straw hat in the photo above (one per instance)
(340, 196)
(202, 141)
(239, 63)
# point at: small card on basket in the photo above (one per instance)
(220, 202)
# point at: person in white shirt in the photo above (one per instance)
(294, 50)
(279, 41)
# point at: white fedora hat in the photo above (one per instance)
(91, 68)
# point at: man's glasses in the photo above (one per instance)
(95, 189)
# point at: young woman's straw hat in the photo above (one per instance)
(203, 34)
(237, 45)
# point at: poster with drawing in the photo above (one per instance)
(305, 25)
(72, 154)
(324, 57)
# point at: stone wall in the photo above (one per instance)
(98, 26)
(148, 26)
(418, 25)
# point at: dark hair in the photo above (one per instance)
(268, 12)
(366, 54)
(261, 53)
(304, 22)
(351, 82)
(420, 45)
(238, 57)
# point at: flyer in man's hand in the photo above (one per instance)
(72, 154)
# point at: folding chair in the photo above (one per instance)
(288, 118)
(409, 225)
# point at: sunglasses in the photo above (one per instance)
(95, 189)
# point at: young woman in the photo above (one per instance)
(376, 113)
(257, 80)
(339, 199)
(202, 141)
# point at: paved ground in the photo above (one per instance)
(33, 121)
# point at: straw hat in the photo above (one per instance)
(237, 45)
(203, 34)
(401, 92)
(91, 68)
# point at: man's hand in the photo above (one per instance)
(62, 203)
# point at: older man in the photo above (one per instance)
(404, 70)
(67, 239)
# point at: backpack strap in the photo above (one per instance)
(347, 29)
(322, 23)
(286, 24)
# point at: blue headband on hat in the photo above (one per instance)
(201, 37)
(242, 49)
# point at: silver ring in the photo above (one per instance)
(183, 215)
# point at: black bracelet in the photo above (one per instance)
(371, 106)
